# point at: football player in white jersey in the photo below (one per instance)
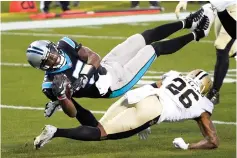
(225, 43)
(174, 98)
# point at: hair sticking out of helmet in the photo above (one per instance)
(203, 79)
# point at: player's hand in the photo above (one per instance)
(81, 82)
(181, 6)
(180, 144)
(59, 86)
(103, 84)
(51, 107)
(143, 135)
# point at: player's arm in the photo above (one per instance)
(92, 64)
(68, 107)
(61, 89)
(208, 130)
(89, 56)
(182, 5)
(79, 51)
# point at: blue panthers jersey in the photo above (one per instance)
(69, 48)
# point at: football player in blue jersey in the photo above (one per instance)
(89, 76)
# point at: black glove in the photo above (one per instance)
(81, 82)
(59, 86)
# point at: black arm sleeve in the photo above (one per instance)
(228, 23)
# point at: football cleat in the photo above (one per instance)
(210, 15)
(45, 136)
(204, 26)
(193, 19)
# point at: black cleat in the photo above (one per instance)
(193, 19)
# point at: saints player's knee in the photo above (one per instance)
(220, 43)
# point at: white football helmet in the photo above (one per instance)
(44, 55)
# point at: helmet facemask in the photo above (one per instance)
(53, 58)
(202, 79)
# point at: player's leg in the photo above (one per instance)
(217, 26)
(225, 46)
(134, 70)
(127, 123)
(129, 48)
(84, 116)
(173, 45)
(126, 76)
(134, 119)
(116, 108)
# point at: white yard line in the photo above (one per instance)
(95, 112)
(36, 108)
(62, 23)
(75, 36)
(150, 72)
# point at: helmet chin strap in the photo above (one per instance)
(62, 62)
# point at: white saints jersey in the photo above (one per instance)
(181, 98)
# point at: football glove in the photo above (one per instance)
(181, 6)
(59, 86)
(80, 83)
(180, 144)
(143, 135)
(86, 73)
(51, 107)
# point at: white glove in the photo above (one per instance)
(51, 107)
(143, 135)
(182, 5)
(180, 144)
(103, 83)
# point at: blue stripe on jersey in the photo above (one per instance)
(47, 85)
(68, 65)
(135, 79)
(69, 41)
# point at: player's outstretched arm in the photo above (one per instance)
(208, 130)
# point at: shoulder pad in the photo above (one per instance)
(68, 44)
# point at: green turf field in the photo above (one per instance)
(87, 6)
(21, 86)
